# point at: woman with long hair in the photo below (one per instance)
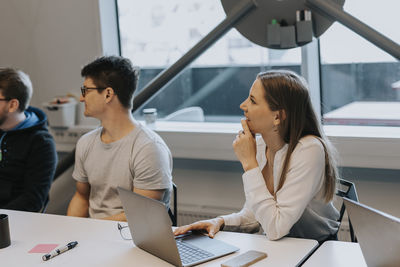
(289, 172)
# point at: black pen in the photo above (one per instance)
(58, 251)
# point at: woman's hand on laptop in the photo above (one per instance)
(212, 227)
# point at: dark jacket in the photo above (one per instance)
(27, 166)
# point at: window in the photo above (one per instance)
(156, 33)
(358, 79)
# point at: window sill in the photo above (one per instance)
(358, 146)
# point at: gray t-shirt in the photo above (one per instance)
(140, 160)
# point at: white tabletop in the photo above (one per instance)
(100, 244)
(337, 254)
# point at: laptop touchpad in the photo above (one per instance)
(212, 245)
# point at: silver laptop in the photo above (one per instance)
(378, 234)
(150, 227)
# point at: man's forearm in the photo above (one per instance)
(78, 207)
(117, 217)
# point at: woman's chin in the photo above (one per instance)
(251, 128)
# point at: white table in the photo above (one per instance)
(100, 244)
(337, 254)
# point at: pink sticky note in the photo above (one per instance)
(43, 248)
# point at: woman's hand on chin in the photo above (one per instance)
(245, 149)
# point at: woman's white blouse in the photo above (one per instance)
(299, 209)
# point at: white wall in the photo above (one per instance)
(50, 40)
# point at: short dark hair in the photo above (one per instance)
(115, 72)
(15, 84)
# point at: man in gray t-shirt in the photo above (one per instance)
(121, 153)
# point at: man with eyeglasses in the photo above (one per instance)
(27, 151)
(120, 153)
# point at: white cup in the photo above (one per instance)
(150, 116)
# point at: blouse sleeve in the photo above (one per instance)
(242, 221)
(303, 181)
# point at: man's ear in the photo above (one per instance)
(109, 93)
(13, 105)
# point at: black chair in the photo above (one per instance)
(174, 215)
(347, 189)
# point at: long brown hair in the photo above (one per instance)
(285, 90)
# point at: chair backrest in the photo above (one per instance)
(347, 189)
(174, 215)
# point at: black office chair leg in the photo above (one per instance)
(175, 222)
(352, 235)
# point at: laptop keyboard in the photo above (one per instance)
(190, 253)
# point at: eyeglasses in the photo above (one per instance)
(124, 232)
(84, 90)
(5, 99)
